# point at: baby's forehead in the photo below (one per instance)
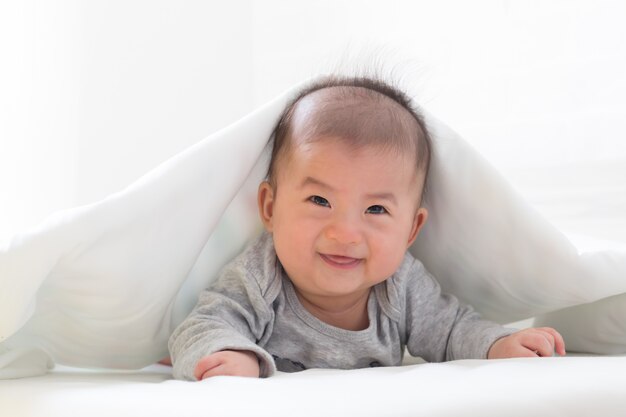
(331, 163)
(360, 117)
(351, 112)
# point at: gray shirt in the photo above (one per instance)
(253, 306)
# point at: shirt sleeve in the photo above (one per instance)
(439, 327)
(231, 314)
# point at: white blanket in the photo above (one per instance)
(555, 387)
(104, 285)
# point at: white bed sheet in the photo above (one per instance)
(561, 386)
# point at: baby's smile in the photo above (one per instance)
(341, 262)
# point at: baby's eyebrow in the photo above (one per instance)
(314, 181)
(383, 196)
(373, 196)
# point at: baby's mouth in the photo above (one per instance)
(342, 262)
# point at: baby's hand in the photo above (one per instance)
(540, 341)
(228, 362)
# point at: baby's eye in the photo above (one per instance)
(376, 210)
(320, 201)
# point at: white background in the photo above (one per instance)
(95, 94)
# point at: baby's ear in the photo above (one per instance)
(265, 199)
(418, 221)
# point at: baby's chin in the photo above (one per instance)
(342, 284)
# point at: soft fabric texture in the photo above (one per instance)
(104, 285)
(486, 245)
(253, 306)
(598, 327)
(520, 387)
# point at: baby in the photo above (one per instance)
(330, 283)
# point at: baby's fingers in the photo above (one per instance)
(206, 364)
(539, 342)
(558, 342)
(522, 352)
(218, 370)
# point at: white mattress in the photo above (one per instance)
(560, 386)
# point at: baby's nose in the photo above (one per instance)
(345, 231)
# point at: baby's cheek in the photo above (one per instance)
(389, 256)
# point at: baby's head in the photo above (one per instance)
(358, 111)
(345, 184)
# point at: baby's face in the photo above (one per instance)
(342, 219)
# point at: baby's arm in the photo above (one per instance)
(438, 326)
(542, 341)
(220, 335)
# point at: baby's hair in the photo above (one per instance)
(363, 111)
